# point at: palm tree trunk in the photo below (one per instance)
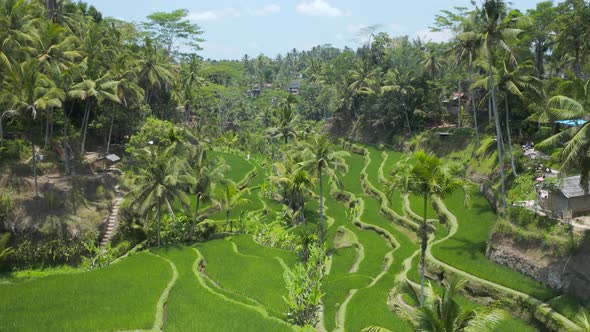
(424, 236)
(196, 219)
(321, 225)
(85, 127)
(47, 127)
(198, 202)
(490, 111)
(1, 132)
(159, 219)
(459, 116)
(508, 133)
(227, 218)
(111, 129)
(34, 164)
(406, 114)
(66, 156)
(498, 134)
(473, 101)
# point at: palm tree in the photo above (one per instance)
(497, 31)
(402, 85)
(513, 79)
(426, 175)
(93, 91)
(582, 321)
(228, 197)
(229, 139)
(432, 63)
(575, 154)
(205, 172)
(320, 155)
(188, 81)
(286, 121)
(124, 72)
(159, 180)
(465, 50)
(443, 313)
(296, 180)
(155, 69)
(27, 91)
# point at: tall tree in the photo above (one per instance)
(93, 92)
(27, 92)
(206, 172)
(173, 30)
(319, 154)
(427, 176)
(576, 152)
(572, 31)
(159, 180)
(228, 197)
(498, 30)
(543, 17)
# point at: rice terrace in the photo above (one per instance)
(282, 166)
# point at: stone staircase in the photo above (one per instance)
(112, 219)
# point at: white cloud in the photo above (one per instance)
(271, 8)
(320, 8)
(434, 36)
(214, 15)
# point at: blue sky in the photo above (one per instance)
(234, 28)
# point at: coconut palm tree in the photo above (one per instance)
(427, 176)
(229, 139)
(93, 91)
(497, 30)
(155, 69)
(159, 180)
(320, 155)
(205, 172)
(442, 313)
(465, 50)
(27, 92)
(286, 121)
(228, 197)
(513, 79)
(576, 152)
(401, 84)
(126, 89)
(582, 321)
(296, 181)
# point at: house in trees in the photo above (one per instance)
(453, 102)
(294, 88)
(567, 200)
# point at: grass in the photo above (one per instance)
(466, 249)
(260, 278)
(239, 166)
(125, 293)
(375, 297)
(194, 307)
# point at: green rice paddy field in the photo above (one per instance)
(236, 284)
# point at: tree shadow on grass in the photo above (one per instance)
(464, 246)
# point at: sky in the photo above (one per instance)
(233, 28)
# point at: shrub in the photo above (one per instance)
(15, 149)
(304, 284)
(7, 209)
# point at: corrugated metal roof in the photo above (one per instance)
(570, 187)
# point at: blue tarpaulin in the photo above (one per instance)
(572, 123)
